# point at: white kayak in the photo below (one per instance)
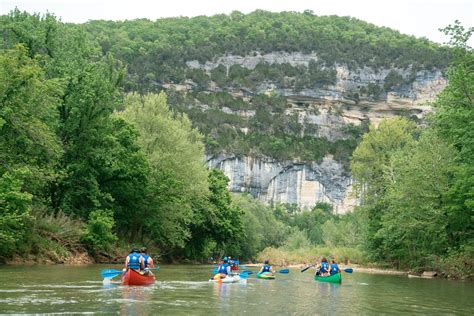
(228, 279)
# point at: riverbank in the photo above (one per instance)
(285, 260)
(355, 267)
(451, 267)
(80, 258)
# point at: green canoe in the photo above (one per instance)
(266, 275)
(335, 278)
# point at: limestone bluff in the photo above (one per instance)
(330, 108)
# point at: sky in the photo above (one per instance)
(421, 18)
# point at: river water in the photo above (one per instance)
(184, 290)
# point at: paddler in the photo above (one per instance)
(234, 264)
(266, 267)
(323, 267)
(147, 260)
(223, 270)
(134, 260)
(334, 267)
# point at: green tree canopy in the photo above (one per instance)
(178, 176)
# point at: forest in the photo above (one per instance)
(95, 157)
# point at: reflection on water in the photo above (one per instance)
(184, 290)
(134, 300)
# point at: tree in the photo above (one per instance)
(178, 176)
(371, 159)
(227, 228)
(414, 224)
(28, 119)
(86, 131)
(15, 218)
(371, 169)
(98, 235)
(261, 228)
(454, 122)
(454, 118)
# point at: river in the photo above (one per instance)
(184, 290)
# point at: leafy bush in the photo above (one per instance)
(298, 239)
(458, 263)
(98, 235)
(393, 79)
(15, 216)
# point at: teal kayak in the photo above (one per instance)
(265, 275)
(335, 278)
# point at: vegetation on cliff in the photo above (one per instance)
(156, 54)
(156, 51)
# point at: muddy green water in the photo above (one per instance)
(184, 290)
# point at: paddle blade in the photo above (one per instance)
(247, 271)
(110, 273)
(348, 270)
(306, 268)
(284, 271)
(244, 274)
(214, 271)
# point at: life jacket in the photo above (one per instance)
(223, 268)
(134, 261)
(145, 259)
(324, 267)
(266, 268)
(334, 268)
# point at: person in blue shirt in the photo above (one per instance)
(334, 267)
(234, 264)
(323, 267)
(224, 269)
(134, 260)
(266, 267)
(147, 260)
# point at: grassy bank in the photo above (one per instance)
(59, 239)
(307, 255)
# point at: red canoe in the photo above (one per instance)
(133, 277)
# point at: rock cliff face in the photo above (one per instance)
(329, 109)
(423, 85)
(288, 181)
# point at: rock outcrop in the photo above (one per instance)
(288, 181)
(329, 109)
(421, 85)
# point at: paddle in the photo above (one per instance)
(245, 274)
(307, 268)
(348, 270)
(110, 273)
(284, 271)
